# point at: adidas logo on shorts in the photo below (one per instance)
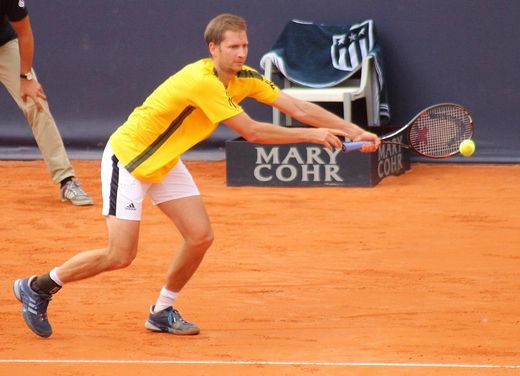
(130, 207)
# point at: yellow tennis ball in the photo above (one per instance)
(467, 148)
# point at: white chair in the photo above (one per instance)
(357, 87)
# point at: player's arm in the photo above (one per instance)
(28, 88)
(314, 115)
(266, 133)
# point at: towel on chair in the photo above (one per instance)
(321, 55)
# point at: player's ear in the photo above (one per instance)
(212, 48)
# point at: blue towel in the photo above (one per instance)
(321, 55)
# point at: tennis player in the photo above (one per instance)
(143, 157)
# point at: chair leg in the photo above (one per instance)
(276, 116)
(347, 107)
(371, 110)
(372, 113)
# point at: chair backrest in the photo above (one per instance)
(330, 58)
(358, 85)
(359, 77)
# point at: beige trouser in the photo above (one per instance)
(45, 131)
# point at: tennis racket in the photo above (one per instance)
(435, 132)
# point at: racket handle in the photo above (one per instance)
(352, 146)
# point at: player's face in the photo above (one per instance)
(231, 54)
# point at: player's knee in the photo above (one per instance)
(202, 240)
(121, 263)
(120, 260)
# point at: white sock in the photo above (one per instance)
(165, 300)
(54, 276)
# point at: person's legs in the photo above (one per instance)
(178, 197)
(43, 126)
(190, 217)
(123, 235)
(35, 293)
(119, 188)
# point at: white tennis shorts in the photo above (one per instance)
(123, 194)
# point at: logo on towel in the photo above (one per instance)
(348, 50)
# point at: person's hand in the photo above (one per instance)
(327, 137)
(373, 142)
(32, 89)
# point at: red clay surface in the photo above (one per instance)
(422, 269)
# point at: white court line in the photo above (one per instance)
(256, 363)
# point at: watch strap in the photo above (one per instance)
(27, 76)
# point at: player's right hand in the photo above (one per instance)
(373, 142)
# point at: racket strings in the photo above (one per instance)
(439, 131)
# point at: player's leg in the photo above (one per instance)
(123, 198)
(190, 217)
(35, 293)
(179, 198)
(123, 236)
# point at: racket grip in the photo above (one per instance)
(352, 146)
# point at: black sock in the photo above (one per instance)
(44, 284)
(65, 181)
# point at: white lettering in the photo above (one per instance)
(315, 172)
(331, 173)
(386, 166)
(313, 155)
(389, 150)
(293, 153)
(292, 173)
(303, 164)
(390, 166)
(263, 157)
(258, 174)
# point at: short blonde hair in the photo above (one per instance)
(220, 24)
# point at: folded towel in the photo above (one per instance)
(322, 55)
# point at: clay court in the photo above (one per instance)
(419, 275)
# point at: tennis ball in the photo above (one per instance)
(467, 148)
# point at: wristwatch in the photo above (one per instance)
(28, 76)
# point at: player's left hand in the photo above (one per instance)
(373, 142)
(33, 90)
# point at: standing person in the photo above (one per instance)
(143, 157)
(19, 78)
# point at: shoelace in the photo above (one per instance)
(75, 188)
(42, 312)
(41, 304)
(175, 316)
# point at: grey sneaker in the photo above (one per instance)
(73, 192)
(170, 320)
(34, 306)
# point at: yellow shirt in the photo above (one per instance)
(181, 112)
